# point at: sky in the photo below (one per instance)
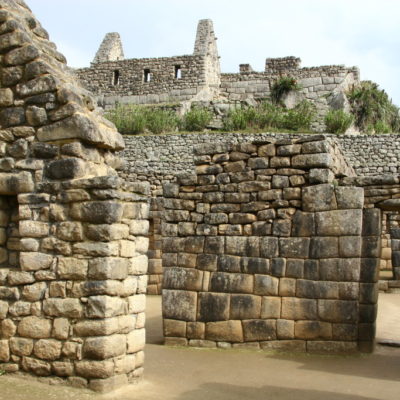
(363, 33)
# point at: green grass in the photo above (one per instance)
(338, 121)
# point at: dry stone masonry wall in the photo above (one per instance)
(260, 249)
(72, 234)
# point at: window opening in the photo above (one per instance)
(147, 75)
(116, 78)
(178, 72)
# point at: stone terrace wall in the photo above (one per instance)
(261, 250)
(132, 88)
(72, 234)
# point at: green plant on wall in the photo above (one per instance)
(196, 119)
(283, 86)
(338, 121)
(372, 108)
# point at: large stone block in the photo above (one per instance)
(4, 351)
(70, 231)
(136, 340)
(47, 349)
(319, 198)
(103, 347)
(72, 268)
(339, 223)
(266, 285)
(349, 197)
(104, 307)
(98, 212)
(311, 330)
(294, 247)
(271, 307)
(35, 327)
(226, 331)
(95, 369)
(299, 309)
(21, 346)
(231, 282)
(34, 261)
(244, 307)
(213, 307)
(108, 268)
(178, 304)
(342, 311)
(13, 184)
(37, 367)
(69, 308)
(259, 329)
(324, 247)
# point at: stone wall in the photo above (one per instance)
(72, 234)
(260, 249)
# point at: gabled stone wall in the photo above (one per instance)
(72, 234)
(261, 249)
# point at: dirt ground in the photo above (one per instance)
(194, 374)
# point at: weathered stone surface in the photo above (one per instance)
(339, 222)
(108, 268)
(179, 305)
(244, 307)
(34, 292)
(69, 308)
(299, 309)
(4, 351)
(319, 198)
(15, 183)
(72, 268)
(259, 329)
(213, 307)
(95, 369)
(183, 278)
(230, 331)
(38, 367)
(21, 346)
(338, 311)
(103, 347)
(98, 212)
(136, 340)
(34, 327)
(31, 261)
(105, 306)
(47, 349)
(231, 283)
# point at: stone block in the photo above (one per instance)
(35, 327)
(97, 249)
(229, 331)
(193, 244)
(213, 307)
(269, 247)
(214, 245)
(367, 313)
(61, 328)
(20, 278)
(3, 309)
(105, 326)
(324, 247)
(341, 311)
(259, 329)
(299, 309)
(244, 307)
(100, 306)
(371, 247)
(372, 224)
(287, 287)
(349, 197)
(108, 384)
(72, 268)
(34, 292)
(108, 268)
(136, 340)
(37, 367)
(103, 347)
(231, 282)
(228, 263)
(174, 328)
(303, 224)
(285, 329)
(207, 262)
(34, 261)
(311, 330)
(179, 305)
(294, 247)
(350, 246)
(294, 268)
(271, 308)
(95, 369)
(319, 198)
(339, 223)
(7, 293)
(329, 347)
(321, 175)
(266, 285)
(98, 212)
(183, 278)
(21, 347)
(47, 349)
(254, 265)
(63, 368)
(69, 308)
(34, 229)
(4, 351)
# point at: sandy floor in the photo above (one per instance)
(193, 374)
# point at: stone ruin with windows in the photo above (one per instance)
(260, 241)
(197, 79)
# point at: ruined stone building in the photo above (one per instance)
(197, 78)
(263, 241)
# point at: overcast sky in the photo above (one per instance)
(365, 33)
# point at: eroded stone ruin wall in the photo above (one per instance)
(72, 234)
(261, 249)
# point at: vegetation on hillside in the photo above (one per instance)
(338, 121)
(283, 86)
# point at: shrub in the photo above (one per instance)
(283, 86)
(373, 108)
(196, 119)
(299, 118)
(133, 119)
(240, 118)
(338, 121)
